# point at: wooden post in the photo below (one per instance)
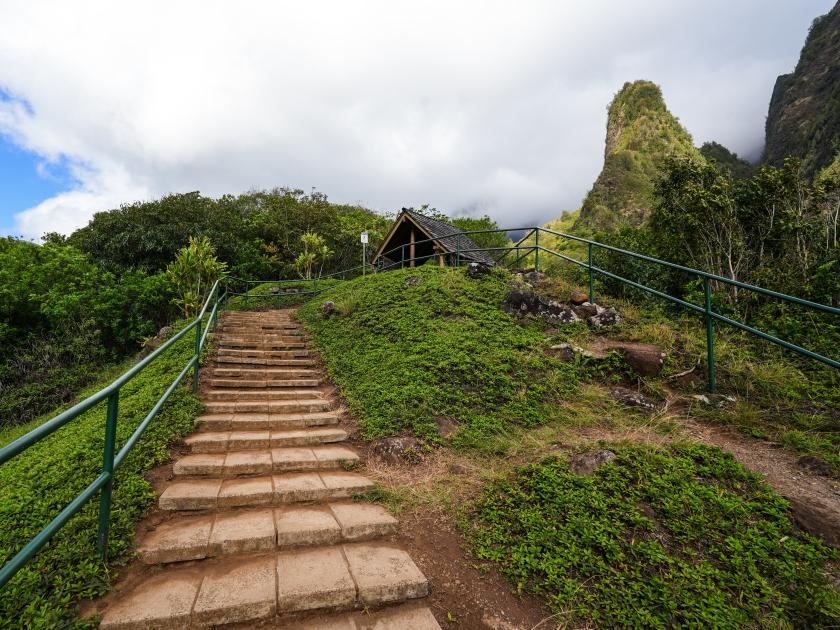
(411, 249)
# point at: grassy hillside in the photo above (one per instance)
(37, 484)
(804, 116)
(640, 133)
(406, 354)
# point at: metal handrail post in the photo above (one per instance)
(591, 278)
(197, 353)
(246, 295)
(710, 335)
(458, 251)
(227, 290)
(108, 468)
(402, 256)
(537, 250)
(216, 307)
(279, 293)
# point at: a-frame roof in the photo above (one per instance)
(444, 235)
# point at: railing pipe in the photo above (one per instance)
(591, 278)
(710, 335)
(107, 469)
(537, 250)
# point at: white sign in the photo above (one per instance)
(364, 237)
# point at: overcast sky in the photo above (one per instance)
(474, 107)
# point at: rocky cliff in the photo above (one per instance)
(804, 116)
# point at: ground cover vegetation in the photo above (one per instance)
(37, 484)
(405, 355)
(671, 537)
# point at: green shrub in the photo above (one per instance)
(680, 537)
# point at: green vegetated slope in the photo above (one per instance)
(405, 354)
(674, 537)
(640, 133)
(726, 160)
(37, 484)
(804, 116)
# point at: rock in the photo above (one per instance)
(715, 400)
(818, 517)
(646, 359)
(552, 332)
(458, 469)
(631, 398)
(564, 352)
(535, 276)
(413, 281)
(476, 270)
(605, 318)
(327, 307)
(445, 426)
(578, 298)
(393, 450)
(815, 465)
(274, 290)
(494, 623)
(163, 332)
(524, 322)
(585, 310)
(584, 464)
(525, 302)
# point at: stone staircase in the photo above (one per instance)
(262, 528)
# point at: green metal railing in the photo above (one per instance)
(111, 460)
(519, 251)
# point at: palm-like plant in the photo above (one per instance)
(193, 273)
(314, 250)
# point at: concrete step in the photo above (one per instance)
(301, 405)
(264, 361)
(259, 325)
(408, 616)
(265, 394)
(261, 344)
(265, 374)
(271, 383)
(264, 421)
(250, 589)
(223, 441)
(265, 530)
(274, 354)
(264, 462)
(211, 494)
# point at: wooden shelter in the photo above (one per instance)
(415, 238)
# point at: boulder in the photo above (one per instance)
(525, 302)
(815, 465)
(818, 517)
(584, 464)
(393, 450)
(631, 398)
(413, 281)
(534, 276)
(564, 352)
(327, 307)
(579, 298)
(445, 426)
(605, 318)
(476, 270)
(645, 359)
(585, 310)
(274, 290)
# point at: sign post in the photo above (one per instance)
(364, 251)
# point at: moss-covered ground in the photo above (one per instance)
(37, 484)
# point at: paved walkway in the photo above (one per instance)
(262, 503)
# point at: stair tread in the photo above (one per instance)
(265, 461)
(265, 529)
(261, 421)
(213, 493)
(251, 589)
(219, 441)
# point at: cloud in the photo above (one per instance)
(491, 106)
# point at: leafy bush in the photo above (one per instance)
(443, 348)
(37, 484)
(680, 537)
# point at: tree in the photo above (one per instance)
(193, 274)
(314, 250)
